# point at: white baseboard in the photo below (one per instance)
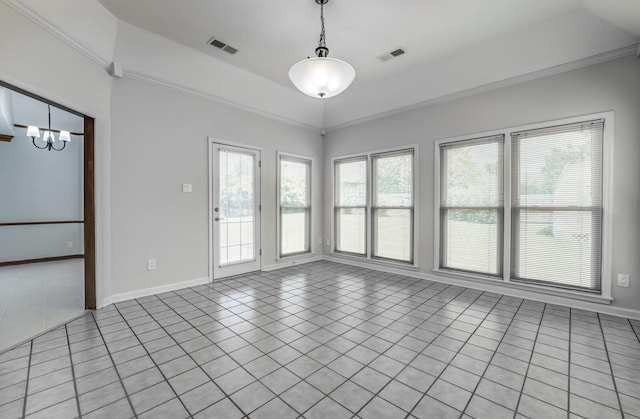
(285, 263)
(154, 290)
(498, 289)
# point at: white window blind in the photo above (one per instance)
(295, 205)
(557, 205)
(471, 205)
(392, 205)
(351, 205)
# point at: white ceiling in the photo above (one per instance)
(273, 35)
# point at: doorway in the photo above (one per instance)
(234, 213)
(47, 218)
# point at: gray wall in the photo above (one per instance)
(159, 142)
(40, 185)
(613, 85)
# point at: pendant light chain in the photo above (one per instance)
(322, 43)
(322, 50)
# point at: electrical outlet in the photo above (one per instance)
(187, 188)
(328, 242)
(623, 280)
(69, 245)
(319, 240)
(152, 265)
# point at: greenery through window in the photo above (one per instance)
(374, 205)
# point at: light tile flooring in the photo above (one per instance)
(325, 340)
(37, 297)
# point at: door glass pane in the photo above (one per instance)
(392, 229)
(237, 203)
(294, 230)
(351, 230)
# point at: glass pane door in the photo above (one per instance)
(235, 201)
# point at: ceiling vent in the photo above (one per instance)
(391, 54)
(221, 45)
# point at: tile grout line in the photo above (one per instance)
(526, 373)
(126, 393)
(166, 379)
(73, 374)
(227, 354)
(381, 354)
(304, 354)
(456, 352)
(26, 387)
(506, 331)
(189, 355)
(613, 379)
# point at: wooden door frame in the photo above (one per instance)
(89, 195)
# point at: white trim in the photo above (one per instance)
(147, 78)
(607, 173)
(514, 291)
(130, 295)
(304, 160)
(56, 31)
(291, 261)
(561, 68)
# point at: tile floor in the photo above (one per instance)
(37, 297)
(326, 340)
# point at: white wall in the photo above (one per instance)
(614, 85)
(159, 143)
(73, 80)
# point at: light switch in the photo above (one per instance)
(187, 187)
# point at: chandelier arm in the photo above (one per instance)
(64, 144)
(36, 145)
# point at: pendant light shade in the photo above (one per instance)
(322, 76)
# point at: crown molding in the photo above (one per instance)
(561, 68)
(147, 78)
(30, 14)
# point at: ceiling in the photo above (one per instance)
(272, 35)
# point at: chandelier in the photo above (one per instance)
(322, 76)
(48, 136)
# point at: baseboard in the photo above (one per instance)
(285, 263)
(154, 290)
(496, 288)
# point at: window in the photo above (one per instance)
(294, 205)
(374, 206)
(471, 205)
(351, 206)
(557, 205)
(544, 188)
(392, 205)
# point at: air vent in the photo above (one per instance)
(221, 45)
(391, 54)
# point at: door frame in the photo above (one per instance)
(211, 143)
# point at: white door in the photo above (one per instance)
(235, 210)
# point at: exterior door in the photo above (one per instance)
(235, 210)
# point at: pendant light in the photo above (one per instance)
(322, 76)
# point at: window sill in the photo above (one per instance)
(380, 262)
(541, 289)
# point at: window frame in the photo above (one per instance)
(369, 210)
(280, 156)
(607, 210)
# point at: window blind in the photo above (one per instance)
(557, 205)
(471, 205)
